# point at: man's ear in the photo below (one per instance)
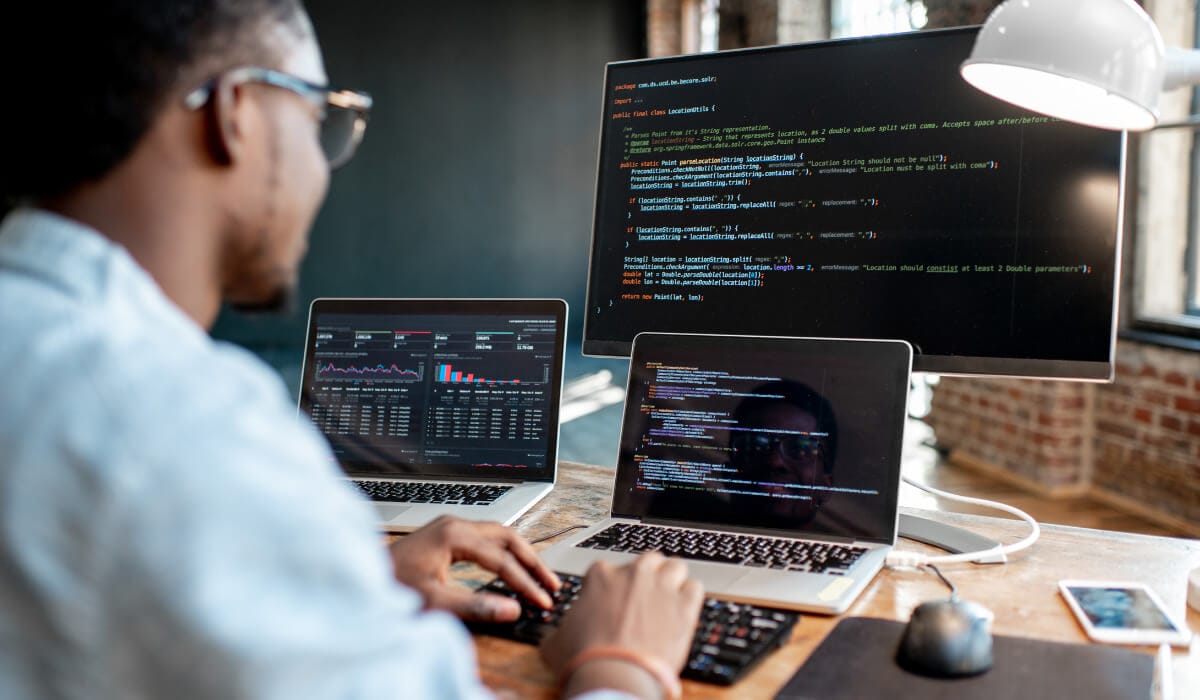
(224, 123)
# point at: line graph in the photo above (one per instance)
(379, 371)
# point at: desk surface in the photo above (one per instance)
(1023, 593)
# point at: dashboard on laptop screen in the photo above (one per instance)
(450, 391)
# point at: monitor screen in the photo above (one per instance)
(854, 188)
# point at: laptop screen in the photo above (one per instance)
(776, 434)
(437, 387)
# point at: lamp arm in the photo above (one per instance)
(1183, 68)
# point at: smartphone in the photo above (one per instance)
(1123, 612)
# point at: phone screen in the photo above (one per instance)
(1120, 608)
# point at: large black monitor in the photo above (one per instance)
(854, 188)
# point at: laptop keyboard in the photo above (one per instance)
(730, 638)
(725, 548)
(421, 492)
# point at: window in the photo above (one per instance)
(866, 17)
(1163, 274)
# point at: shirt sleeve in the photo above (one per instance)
(242, 567)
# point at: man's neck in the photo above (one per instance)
(161, 231)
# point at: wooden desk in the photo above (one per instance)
(1023, 593)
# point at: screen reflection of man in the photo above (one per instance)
(785, 445)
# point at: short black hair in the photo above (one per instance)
(802, 397)
(85, 80)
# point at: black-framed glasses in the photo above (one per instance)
(792, 447)
(343, 113)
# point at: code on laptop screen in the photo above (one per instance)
(782, 434)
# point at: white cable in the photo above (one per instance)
(915, 559)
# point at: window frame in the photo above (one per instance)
(1192, 301)
(1146, 173)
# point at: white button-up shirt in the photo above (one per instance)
(169, 528)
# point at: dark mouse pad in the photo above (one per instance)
(858, 660)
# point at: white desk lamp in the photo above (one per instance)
(1099, 62)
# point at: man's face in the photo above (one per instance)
(783, 461)
(287, 176)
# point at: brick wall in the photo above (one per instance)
(748, 23)
(1034, 430)
(1134, 443)
(664, 27)
(1147, 441)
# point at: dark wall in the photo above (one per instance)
(477, 173)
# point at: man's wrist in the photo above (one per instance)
(613, 674)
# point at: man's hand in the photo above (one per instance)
(649, 607)
(422, 561)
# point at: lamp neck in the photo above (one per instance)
(1183, 68)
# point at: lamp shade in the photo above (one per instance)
(1100, 62)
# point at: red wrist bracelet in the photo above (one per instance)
(666, 678)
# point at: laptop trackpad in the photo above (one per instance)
(779, 585)
(388, 511)
(715, 577)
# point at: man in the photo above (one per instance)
(790, 453)
(167, 528)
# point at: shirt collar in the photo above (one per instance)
(82, 263)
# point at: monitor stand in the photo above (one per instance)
(951, 538)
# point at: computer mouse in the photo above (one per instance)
(947, 639)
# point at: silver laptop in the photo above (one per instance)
(439, 406)
(771, 464)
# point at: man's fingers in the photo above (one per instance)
(649, 562)
(501, 550)
(493, 546)
(491, 551)
(674, 572)
(492, 556)
(469, 605)
(693, 593)
(528, 556)
(518, 578)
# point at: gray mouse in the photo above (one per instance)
(947, 639)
